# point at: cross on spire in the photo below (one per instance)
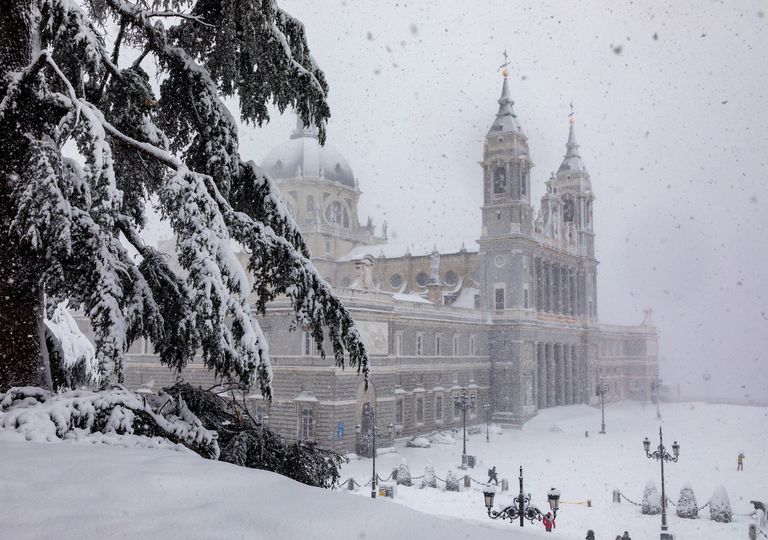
(506, 60)
(571, 113)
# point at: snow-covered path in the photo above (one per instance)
(554, 451)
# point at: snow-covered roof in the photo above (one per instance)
(416, 249)
(466, 298)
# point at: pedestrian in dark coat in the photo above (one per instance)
(626, 536)
(492, 475)
(590, 535)
(549, 522)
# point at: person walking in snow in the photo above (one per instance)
(549, 522)
(492, 475)
(740, 461)
(590, 535)
(626, 536)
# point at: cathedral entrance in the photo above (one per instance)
(364, 446)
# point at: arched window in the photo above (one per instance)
(499, 180)
(422, 279)
(523, 180)
(334, 213)
(568, 210)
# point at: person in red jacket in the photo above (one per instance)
(549, 522)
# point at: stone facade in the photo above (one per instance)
(511, 318)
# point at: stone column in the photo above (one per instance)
(560, 377)
(568, 373)
(550, 356)
(541, 368)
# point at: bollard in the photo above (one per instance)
(351, 484)
(504, 485)
(589, 503)
(394, 475)
(586, 433)
(467, 481)
(616, 496)
(752, 531)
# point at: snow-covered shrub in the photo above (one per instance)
(720, 506)
(442, 437)
(430, 479)
(687, 507)
(418, 442)
(71, 355)
(117, 417)
(451, 481)
(651, 499)
(404, 474)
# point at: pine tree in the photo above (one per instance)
(67, 222)
(687, 507)
(404, 474)
(430, 479)
(451, 481)
(651, 499)
(720, 506)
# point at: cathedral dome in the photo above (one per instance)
(302, 157)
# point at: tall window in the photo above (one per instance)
(472, 345)
(309, 347)
(419, 345)
(456, 411)
(420, 409)
(523, 180)
(499, 298)
(438, 406)
(307, 431)
(455, 344)
(525, 298)
(499, 180)
(399, 344)
(438, 349)
(399, 412)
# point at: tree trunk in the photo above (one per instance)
(22, 338)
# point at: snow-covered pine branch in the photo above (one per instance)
(64, 222)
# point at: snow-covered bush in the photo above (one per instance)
(651, 499)
(430, 479)
(71, 355)
(442, 437)
(720, 506)
(687, 507)
(451, 481)
(418, 442)
(404, 474)
(117, 417)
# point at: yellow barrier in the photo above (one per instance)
(588, 502)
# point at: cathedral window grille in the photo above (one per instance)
(307, 430)
(438, 342)
(399, 406)
(309, 346)
(451, 278)
(455, 345)
(396, 281)
(523, 181)
(420, 409)
(499, 299)
(422, 279)
(419, 345)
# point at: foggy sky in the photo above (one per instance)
(672, 118)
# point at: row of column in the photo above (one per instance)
(560, 288)
(561, 375)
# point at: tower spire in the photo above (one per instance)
(506, 119)
(572, 159)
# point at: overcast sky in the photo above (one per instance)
(672, 118)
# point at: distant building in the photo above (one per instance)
(511, 318)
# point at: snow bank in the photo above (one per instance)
(73, 492)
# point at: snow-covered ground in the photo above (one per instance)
(554, 452)
(82, 491)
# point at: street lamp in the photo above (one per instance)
(522, 508)
(372, 433)
(656, 390)
(464, 402)
(662, 455)
(487, 408)
(600, 390)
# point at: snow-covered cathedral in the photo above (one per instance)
(511, 319)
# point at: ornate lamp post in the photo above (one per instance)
(487, 408)
(464, 402)
(662, 455)
(522, 508)
(372, 433)
(656, 391)
(600, 390)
